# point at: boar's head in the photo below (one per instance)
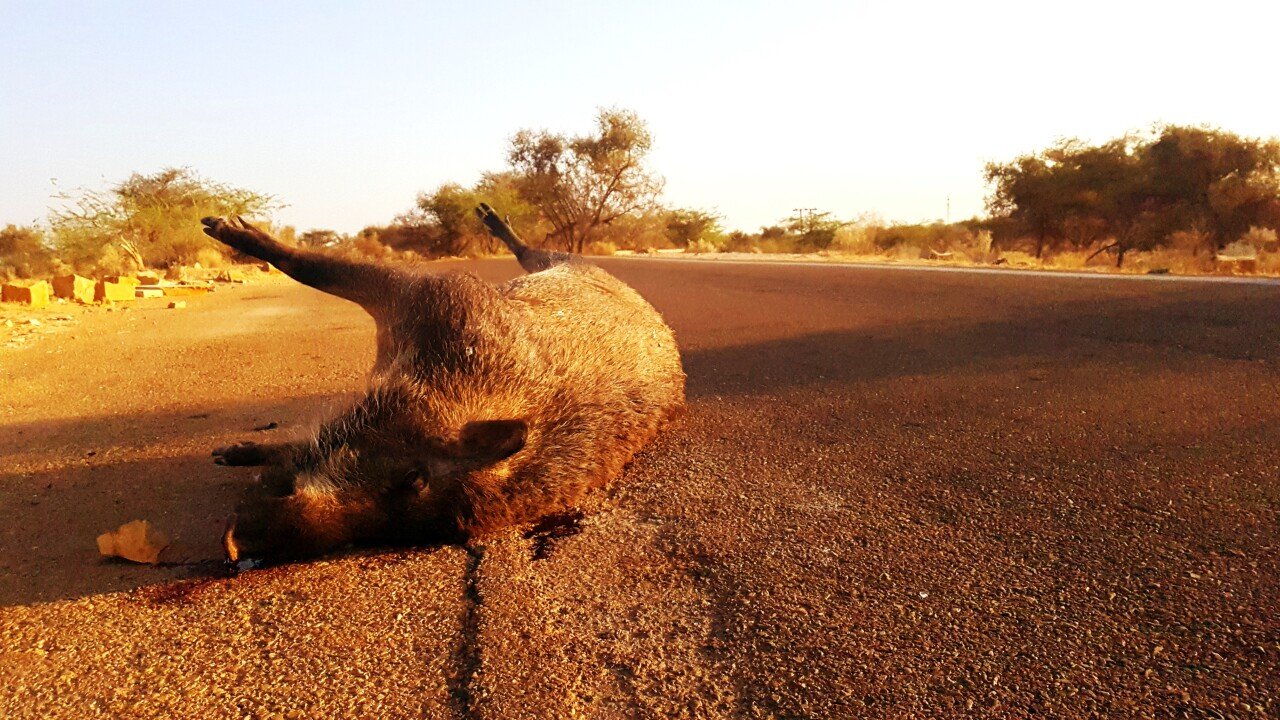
(379, 474)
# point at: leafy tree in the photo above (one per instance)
(153, 219)
(319, 238)
(686, 226)
(582, 183)
(1026, 192)
(450, 213)
(813, 229)
(1175, 184)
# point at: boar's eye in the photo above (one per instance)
(414, 480)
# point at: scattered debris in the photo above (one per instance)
(185, 290)
(138, 541)
(269, 426)
(33, 322)
(143, 291)
(177, 304)
(231, 276)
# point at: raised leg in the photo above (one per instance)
(531, 259)
(366, 283)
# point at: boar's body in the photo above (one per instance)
(487, 406)
(581, 357)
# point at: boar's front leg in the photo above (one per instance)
(252, 453)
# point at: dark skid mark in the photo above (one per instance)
(198, 577)
(551, 528)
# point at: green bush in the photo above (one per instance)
(24, 253)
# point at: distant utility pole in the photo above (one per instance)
(806, 217)
(948, 209)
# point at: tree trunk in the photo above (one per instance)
(1120, 251)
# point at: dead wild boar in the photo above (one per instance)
(487, 406)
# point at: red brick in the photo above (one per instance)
(73, 287)
(35, 294)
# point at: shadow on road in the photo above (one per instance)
(84, 476)
(79, 477)
(1181, 327)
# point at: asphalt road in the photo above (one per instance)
(895, 494)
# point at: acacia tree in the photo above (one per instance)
(153, 219)
(584, 182)
(1024, 192)
(812, 228)
(447, 220)
(684, 226)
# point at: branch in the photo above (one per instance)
(1101, 250)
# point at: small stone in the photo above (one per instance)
(138, 541)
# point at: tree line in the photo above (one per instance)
(1197, 189)
(1194, 190)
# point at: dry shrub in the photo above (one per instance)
(211, 258)
(907, 251)
(1019, 259)
(110, 261)
(1191, 242)
(368, 247)
(600, 247)
(1066, 260)
(700, 246)
(854, 240)
(1262, 239)
(1241, 248)
(980, 249)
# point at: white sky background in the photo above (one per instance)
(346, 111)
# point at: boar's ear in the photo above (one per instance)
(490, 440)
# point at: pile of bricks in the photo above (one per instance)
(110, 289)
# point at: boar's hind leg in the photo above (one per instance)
(361, 282)
(531, 259)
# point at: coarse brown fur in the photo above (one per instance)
(487, 406)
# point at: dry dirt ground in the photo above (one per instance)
(896, 494)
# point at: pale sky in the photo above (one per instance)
(346, 111)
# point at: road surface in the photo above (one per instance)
(895, 494)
